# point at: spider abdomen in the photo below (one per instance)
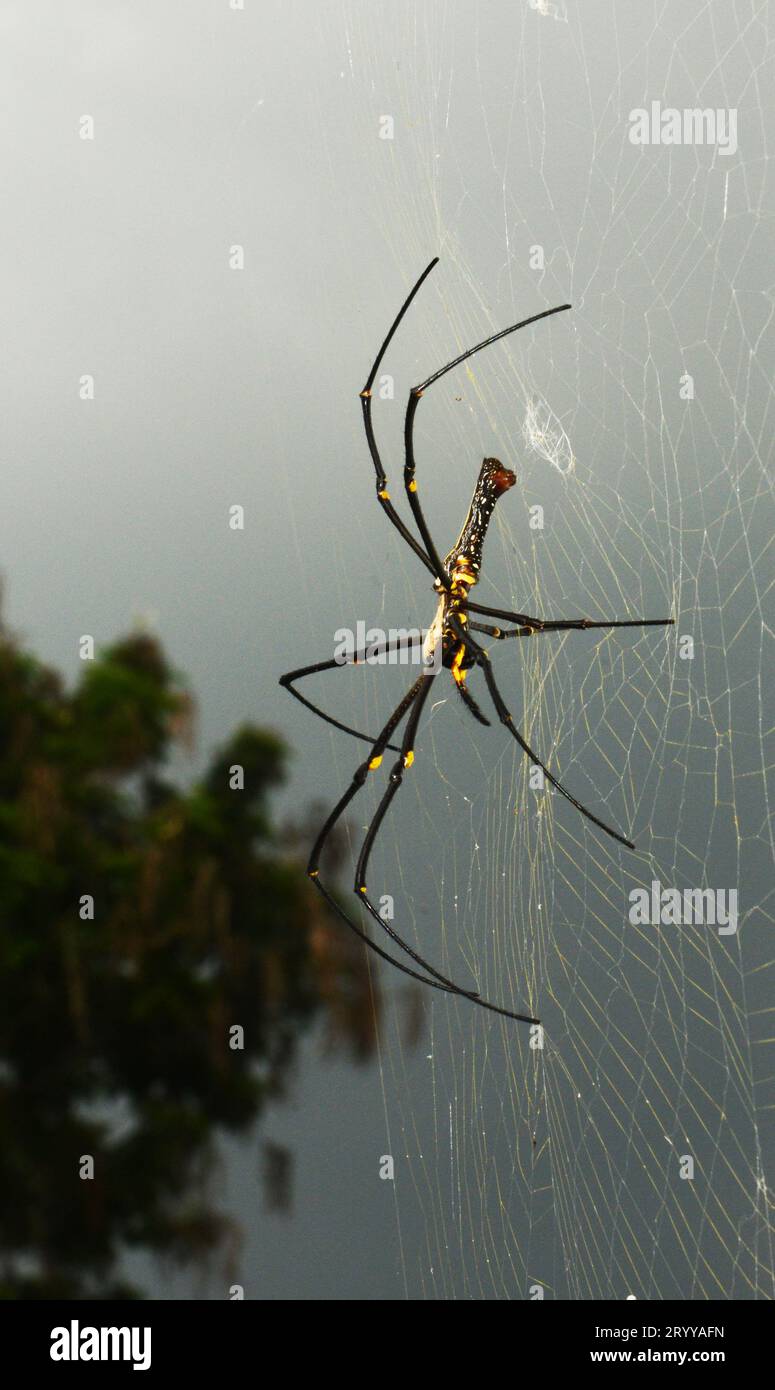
(492, 482)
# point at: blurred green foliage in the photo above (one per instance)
(115, 1028)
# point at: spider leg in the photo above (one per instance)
(500, 633)
(562, 624)
(415, 395)
(396, 778)
(419, 689)
(506, 718)
(414, 700)
(521, 618)
(383, 495)
(359, 659)
(582, 624)
(469, 700)
(537, 625)
(407, 970)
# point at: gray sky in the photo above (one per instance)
(261, 128)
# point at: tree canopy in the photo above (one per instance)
(141, 927)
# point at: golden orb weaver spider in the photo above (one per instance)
(449, 637)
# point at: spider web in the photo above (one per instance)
(226, 255)
(558, 1173)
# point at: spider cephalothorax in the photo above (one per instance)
(452, 633)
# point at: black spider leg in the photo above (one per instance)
(537, 625)
(416, 695)
(395, 780)
(500, 633)
(358, 659)
(469, 700)
(419, 688)
(564, 624)
(415, 394)
(383, 495)
(483, 660)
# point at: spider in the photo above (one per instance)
(449, 638)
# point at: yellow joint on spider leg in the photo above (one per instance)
(361, 887)
(313, 873)
(408, 759)
(384, 494)
(413, 486)
(375, 762)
